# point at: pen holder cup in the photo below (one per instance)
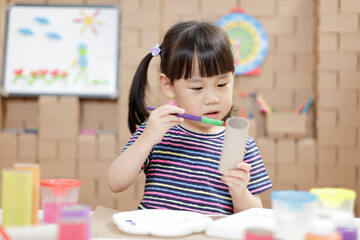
(57, 193)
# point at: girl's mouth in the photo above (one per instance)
(212, 114)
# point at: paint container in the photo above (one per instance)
(322, 229)
(347, 229)
(258, 234)
(16, 197)
(75, 223)
(336, 203)
(233, 151)
(57, 193)
(35, 169)
(293, 211)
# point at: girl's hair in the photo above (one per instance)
(183, 43)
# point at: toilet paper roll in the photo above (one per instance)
(233, 151)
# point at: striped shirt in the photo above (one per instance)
(182, 172)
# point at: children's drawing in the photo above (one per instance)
(62, 50)
(89, 21)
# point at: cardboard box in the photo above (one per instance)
(332, 99)
(53, 108)
(88, 187)
(107, 145)
(279, 100)
(350, 42)
(306, 151)
(47, 150)
(67, 150)
(336, 137)
(58, 169)
(350, 6)
(349, 118)
(267, 149)
(294, 81)
(342, 61)
(327, 80)
(295, 44)
(337, 175)
(28, 146)
(181, 7)
(296, 8)
(328, 6)
(338, 23)
(328, 42)
(98, 201)
(129, 38)
(13, 123)
(296, 174)
(326, 118)
(349, 157)
(87, 150)
(8, 146)
(67, 130)
(349, 80)
(89, 169)
(285, 151)
(326, 156)
(286, 124)
(305, 62)
(279, 63)
(260, 7)
(278, 25)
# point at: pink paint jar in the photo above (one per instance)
(57, 193)
(75, 223)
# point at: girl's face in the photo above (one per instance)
(207, 97)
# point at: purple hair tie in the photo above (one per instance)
(155, 50)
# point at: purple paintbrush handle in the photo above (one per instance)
(189, 116)
(184, 115)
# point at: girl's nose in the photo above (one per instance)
(211, 97)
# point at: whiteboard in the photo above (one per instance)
(61, 50)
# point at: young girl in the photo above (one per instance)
(180, 157)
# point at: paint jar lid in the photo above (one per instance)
(333, 197)
(75, 211)
(60, 186)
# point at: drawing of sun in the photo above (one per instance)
(89, 21)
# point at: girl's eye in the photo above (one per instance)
(222, 85)
(197, 89)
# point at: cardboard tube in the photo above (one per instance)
(233, 151)
(35, 169)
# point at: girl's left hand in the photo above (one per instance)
(237, 179)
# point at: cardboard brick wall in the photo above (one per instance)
(313, 51)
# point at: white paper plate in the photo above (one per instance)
(163, 223)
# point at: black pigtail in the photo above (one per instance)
(137, 111)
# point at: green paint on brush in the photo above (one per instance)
(212, 121)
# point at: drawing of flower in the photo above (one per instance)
(18, 72)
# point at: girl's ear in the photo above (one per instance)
(166, 86)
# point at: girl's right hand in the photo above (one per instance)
(160, 120)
